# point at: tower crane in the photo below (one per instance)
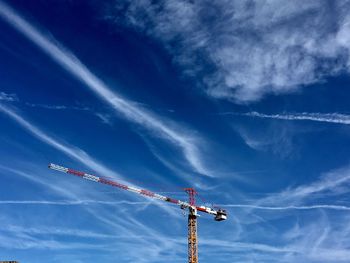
(193, 209)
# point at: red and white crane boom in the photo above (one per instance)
(191, 205)
(219, 215)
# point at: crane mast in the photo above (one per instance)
(192, 228)
(193, 209)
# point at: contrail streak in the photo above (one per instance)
(70, 150)
(333, 207)
(304, 116)
(70, 202)
(77, 69)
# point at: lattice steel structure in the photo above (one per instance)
(190, 205)
(192, 227)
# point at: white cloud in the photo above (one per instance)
(319, 117)
(8, 97)
(320, 240)
(70, 150)
(330, 183)
(75, 192)
(230, 246)
(105, 118)
(44, 230)
(275, 138)
(292, 207)
(29, 242)
(129, 229)
(320, 235)
(70, 202)
(57, 107)
(132, 112)
(245, 49)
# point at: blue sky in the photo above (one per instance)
(247, 101)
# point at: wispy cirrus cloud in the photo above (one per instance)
(321, 240)
(29, 242)
(102, 215)
(273, 138)
(8, 97)
(57, 107)
(303, 116)
(67, 149)
(73, 152)
(132, 112)
(242, 50)
(330, 183)
(70, 150)
(70, 202)
(129, 230)
(104, 117)
(55, 231)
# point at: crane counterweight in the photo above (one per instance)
(221, 215)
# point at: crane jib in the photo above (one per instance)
(221, 214)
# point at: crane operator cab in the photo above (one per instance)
(221, 215)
